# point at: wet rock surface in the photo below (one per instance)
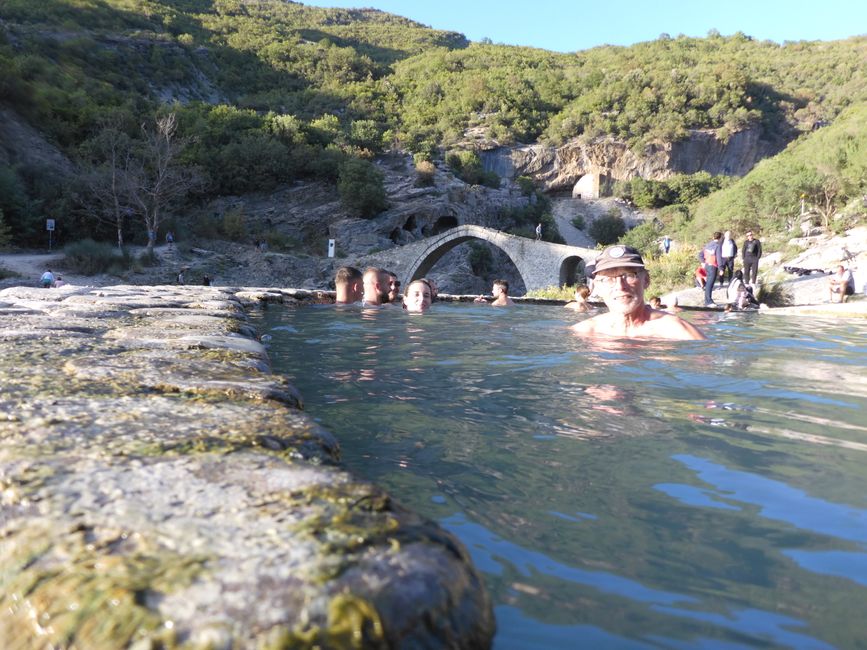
(159, 488)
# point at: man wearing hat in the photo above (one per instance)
(620, 279)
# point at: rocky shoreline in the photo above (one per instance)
(161, 488)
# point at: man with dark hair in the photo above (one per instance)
(500, 291)
(711, 257)
(752, 251)
(621, 279)
(349, 285)
(375, 287)
(393, 288)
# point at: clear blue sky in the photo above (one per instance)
(570, 25)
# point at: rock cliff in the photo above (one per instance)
(562, 168)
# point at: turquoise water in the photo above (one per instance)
(636, 495)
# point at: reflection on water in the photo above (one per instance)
(641, 495)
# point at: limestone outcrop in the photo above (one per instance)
(561, 168)
(159, 487)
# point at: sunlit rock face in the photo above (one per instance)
(160, 487)
(561, 168)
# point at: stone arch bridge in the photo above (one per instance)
(540, 263)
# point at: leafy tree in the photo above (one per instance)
(361, 188)
(608, 228)
(109, 175)
(5, 232)
(644, 237)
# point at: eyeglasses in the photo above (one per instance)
(631, 277)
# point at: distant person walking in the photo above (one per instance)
(752, 252)
(666, 244)
(538, 231)
(170, 238)
(711, 257)
(729, 252)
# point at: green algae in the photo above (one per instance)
(70, 591)
(353, 622)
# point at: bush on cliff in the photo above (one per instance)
(361, 189)
(608, 228)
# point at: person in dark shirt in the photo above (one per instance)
(752, 251)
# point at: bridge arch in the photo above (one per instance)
(539, 263)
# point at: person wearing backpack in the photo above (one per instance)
(711, 257)
(752, 251)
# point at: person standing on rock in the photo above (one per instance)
(711, 257)
(729, 252)
(752, 252)
(538, 231)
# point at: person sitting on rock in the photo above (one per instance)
(841, 285)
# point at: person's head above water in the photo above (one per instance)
(418, 297)
(621, 279)
(349, 285)
(393, 287)
(375, 286)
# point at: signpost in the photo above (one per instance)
(49, 226)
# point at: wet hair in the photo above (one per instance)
(582, 290)
(347, 274)
(503, 284)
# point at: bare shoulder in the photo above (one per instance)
(669, 326)
(588, 326)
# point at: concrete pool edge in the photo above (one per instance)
(123, 521)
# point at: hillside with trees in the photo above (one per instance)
(268, 93)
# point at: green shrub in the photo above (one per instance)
(775, 294)
(578, 221)
(233, 227)
(481, 259)
(526, 185)
(88, 257)
(673, 271)
(644, 237)
(608, 229)
(5, 232)
(425, 171)
(148, 259)
(361, 188)
(553, 292)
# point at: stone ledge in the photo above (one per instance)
(159, 488)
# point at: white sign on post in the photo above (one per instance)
(49, 224)
(330, 248)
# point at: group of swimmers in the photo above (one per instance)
(375, 287)
(618, 274)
